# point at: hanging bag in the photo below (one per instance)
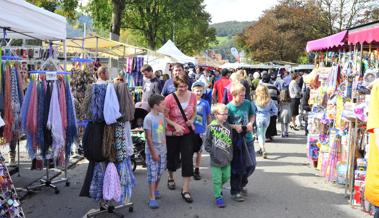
(196, 139)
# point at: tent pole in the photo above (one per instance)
(65, 56)
(97, 47)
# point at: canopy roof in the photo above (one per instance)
(105, 47)
(368, 33)
(170, 49)
(25, 20)
(328, 42)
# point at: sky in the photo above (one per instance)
(239, 10)
(230, 10)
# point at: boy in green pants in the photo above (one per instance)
(218, 142)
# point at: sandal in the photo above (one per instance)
(171, 184)
(187, 197)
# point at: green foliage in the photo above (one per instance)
(283, 31)
(156, 21)
(230, 28)
(65, 8)
(100, 11)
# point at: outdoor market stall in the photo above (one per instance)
(22, 20)
(338, 141)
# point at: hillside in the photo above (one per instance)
(230, 28)
(226, 33)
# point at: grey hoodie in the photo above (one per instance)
(218, 142)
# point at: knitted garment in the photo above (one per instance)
(111, 184)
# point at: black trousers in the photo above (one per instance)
(180, 150)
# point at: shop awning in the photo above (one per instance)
(24, 20)
(368, 35)
(328, 42)
(102, 46)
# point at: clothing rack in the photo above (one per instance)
(49, 182)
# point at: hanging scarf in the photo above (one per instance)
(71, 132)
(8, 114)
(111, 184)
(127, 180)
(96, 187)
(40, 108)
(62, 105)
(54, 122)
(97, 101)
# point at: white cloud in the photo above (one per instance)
(239, 10)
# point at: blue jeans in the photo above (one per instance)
(376, 212)
(262, 125)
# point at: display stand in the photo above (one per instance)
(109, 209)
(50, 182)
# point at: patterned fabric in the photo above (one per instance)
(111, 186)
(127, 180)
(96, 188)
(120, 142)
(8, 115)
(155, 169)
(97, 101)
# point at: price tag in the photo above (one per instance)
(51, 75)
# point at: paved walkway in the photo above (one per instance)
(282, 186)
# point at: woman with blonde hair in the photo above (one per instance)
(265, 109)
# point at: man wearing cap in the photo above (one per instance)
(218, 89)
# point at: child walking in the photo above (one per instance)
(155, 149)
(241, 117)
(285, 111)
(203, 111)
(265, 109)
(218, 142)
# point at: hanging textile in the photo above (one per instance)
(108, 102)
(48, 119)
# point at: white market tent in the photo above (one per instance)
(25, 20)
(170, 49)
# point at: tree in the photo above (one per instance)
(63, 7)
(183, 21)
(344, 14)
(283, 31)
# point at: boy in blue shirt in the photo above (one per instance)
(155, 148)
(202, 119)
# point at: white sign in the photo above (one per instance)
(234, 52)
(51, 75)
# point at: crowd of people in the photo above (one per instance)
(223, 113)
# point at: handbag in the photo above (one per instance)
(196, 139)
